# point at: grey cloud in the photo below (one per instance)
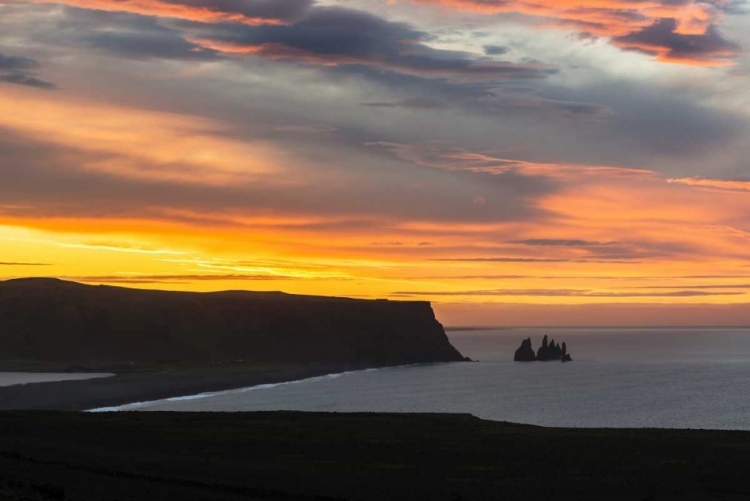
(495, 50)
(346, 37)
(143, 44)
(125, 35)
(662, 39)
(412, 103)
(20, 71)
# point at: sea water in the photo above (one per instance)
(19, 378)
(662, 378)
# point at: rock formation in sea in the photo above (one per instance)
(565, 355)
(98, 326)
(548, 351)
(525, 353)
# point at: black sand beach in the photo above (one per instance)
(366, 457)
(129, 387)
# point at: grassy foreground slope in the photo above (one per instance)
(288, 456)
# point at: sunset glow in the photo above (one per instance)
(499, 159)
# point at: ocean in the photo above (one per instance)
(620, 378)
(19, 378)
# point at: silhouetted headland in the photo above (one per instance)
(84, 326)
(548, 351)
(168, 344)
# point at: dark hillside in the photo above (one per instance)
(52, 320)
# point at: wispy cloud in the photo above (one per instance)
(4, 263)
(252, 12)
(720, 184)
(563, 293)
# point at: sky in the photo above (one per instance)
(515, 162)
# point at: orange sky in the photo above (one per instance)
(516, 181)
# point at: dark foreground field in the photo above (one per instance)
(290, 456)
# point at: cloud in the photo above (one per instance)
(176, 278)
(677, 31)
(622, 259)
(552, 242)
(503, 259)
(20, 71)
(496, 50)
(307, 128)
(23, 264)
(417, 103)
(445, 157)
(564, 293)
(335, 36)
(699, 286)
(133, 37)
(663, 41)
(251, 12)
(143, 177)
(719, 184)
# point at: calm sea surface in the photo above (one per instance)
(16, 378)
(665, 378)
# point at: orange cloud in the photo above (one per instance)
(619, 19)
(201, 11)
(720, 184)
(456, 159)
(136, 143)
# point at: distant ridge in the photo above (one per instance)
(47, 319)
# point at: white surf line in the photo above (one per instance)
(140, 405)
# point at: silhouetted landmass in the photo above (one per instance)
(372, 457)
(525, 353)
(548, 351)
(48, 320)
(565, 356)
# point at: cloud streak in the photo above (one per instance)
(4, 263)
(719, 184)
(251, 12)
(20, 71)
(564, 293)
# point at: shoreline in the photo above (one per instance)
(128, 388)
(132, 387)
(135, 406)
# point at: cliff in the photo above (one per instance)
(53, 320)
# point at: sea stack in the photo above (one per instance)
(525, 353)
(548, 351)
(565, 355)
